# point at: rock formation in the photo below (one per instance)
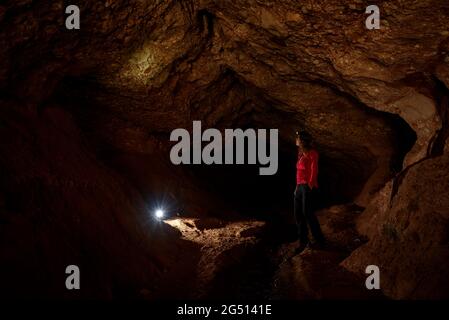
(86, 115)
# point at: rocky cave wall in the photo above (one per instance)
(88, 109)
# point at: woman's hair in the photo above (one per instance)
(306, 139)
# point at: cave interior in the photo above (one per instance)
(85, 129)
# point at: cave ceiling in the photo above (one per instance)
(142, 68)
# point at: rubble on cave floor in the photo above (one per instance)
(222, 245)
(242, 259)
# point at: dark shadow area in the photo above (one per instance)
(239, 188)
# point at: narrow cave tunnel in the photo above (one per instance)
(85, 164)
(219, 196)
(240, 187)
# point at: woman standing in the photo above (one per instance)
(306, 180)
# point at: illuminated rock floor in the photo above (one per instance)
(244, 259)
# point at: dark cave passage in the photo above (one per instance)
(216, 196)
(202, 199)
(85, 122)
(344, 169)
(232, 193)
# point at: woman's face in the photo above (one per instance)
(298, 142)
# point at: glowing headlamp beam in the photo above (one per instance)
(159, 213)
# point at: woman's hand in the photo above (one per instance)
(297, 141)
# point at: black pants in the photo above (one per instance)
(304, 215)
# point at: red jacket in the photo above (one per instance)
(307, 169)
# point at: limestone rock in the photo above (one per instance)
(409, 243)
